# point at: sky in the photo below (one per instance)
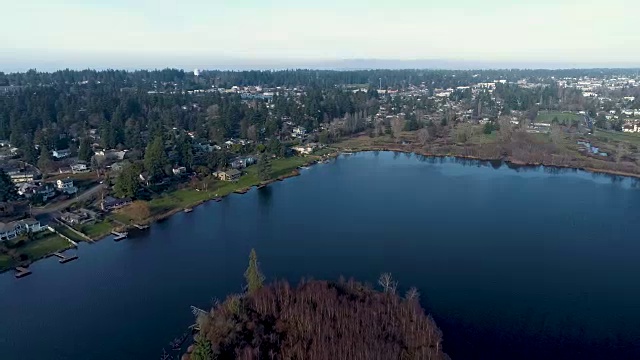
(50, 34)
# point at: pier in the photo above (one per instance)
(119, 236)
(22, 272)
(64, 259)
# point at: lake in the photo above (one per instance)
(512, 262)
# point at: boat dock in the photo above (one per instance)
(188, 210)
(22, 272)
(119, 236)
(64, 259)
(141, 227)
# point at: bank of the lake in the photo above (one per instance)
(519, 262)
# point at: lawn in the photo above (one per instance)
(606, 135)
(97, 230)
(188, 197)
(70, 234)
(48, 243)
(6, 262)
(547, 117)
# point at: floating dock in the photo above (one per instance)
(119, 236)
(22, 272)
(64, 259)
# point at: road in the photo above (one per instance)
(61, 205)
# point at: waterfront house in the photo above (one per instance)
(243, 162)
(14, 229)
(229, 175)
(66, 186)
(111, 203)
(60, 154)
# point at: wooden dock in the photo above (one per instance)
(22, 272)
(64, 259)
(119, 236)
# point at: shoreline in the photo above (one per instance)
(340, 150)
(504, 160)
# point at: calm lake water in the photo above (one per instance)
(513, 263)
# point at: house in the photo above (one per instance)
(229, 175)
(60, 154)
(117, 167)
(77, 217)
(66, 186)
(303, 150)
(19, 176)
(179, 170)
(13, 229)
(47, 191)
(26, 189)
(72, 218)
(111, 203)
(299, 132)
(243, 162)
(79, 168)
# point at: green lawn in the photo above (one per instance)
(70, 234)
(481, 138)
(183, 198)
(605, 135)
(49, 243)
(97, 230)
(6, 262)
(547, 117)
(121, 217)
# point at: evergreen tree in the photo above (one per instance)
(8, 190)
(264, 168)
(44, 161)
(253, 275)
(84, 151)
(155, 159)
(127, 183)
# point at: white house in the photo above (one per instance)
(59, 154)
(66, 186)
(179, 170)
(79, 168)
(13, 229)
(303, 150)
(299, 131)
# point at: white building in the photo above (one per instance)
(59, 154)
(13, 229)
(66, 186)
(79, 168)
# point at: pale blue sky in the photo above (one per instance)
(136, 33)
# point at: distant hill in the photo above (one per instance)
(317, 320)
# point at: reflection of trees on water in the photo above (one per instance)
(264, 196)
(497, 164)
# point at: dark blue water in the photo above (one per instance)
(512, 263)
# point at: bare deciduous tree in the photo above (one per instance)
(412, 294)
(387, 283)
(506, 130)
(423, 136)
(397, 124)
